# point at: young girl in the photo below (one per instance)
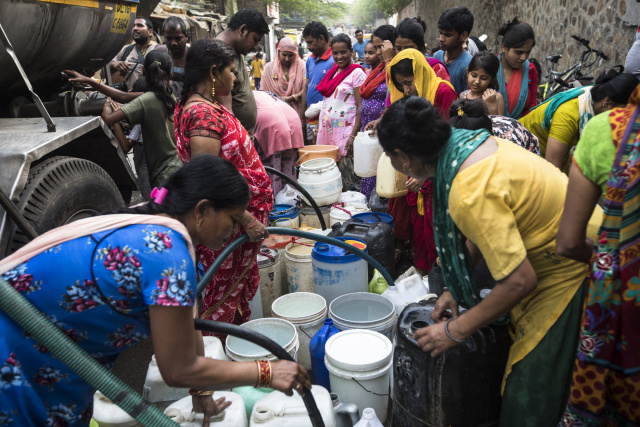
(370, 57)
(482, 77)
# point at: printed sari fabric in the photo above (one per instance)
(606, 380)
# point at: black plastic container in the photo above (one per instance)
(377, 203)
(460, 388)
(379, 239)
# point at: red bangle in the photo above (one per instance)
(254, 223)
(264, 373)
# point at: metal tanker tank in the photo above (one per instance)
(51, 35)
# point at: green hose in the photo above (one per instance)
(36, 324)
(297, 233)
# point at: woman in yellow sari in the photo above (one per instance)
(486, 204)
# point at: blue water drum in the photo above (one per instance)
(337, 271)
(373, 217)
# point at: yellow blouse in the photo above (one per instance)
(509, 205)
(564, 127)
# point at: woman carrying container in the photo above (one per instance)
(483, 191)
(111, 281)
(204, 126)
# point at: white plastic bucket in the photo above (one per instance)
(298, 266)
(281, 331)
(309, 216)
(359, 364)
(351, 197)
(343, 213)
(270, 278)
(279, 410)
(364, 310)
(322, 180)
(234, 416)
(307, 312)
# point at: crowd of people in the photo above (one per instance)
(487, 170)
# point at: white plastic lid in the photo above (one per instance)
(359, 350)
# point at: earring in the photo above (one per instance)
(199, 222)
(213, 89)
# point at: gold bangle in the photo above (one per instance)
(194, 392)
(264, 373)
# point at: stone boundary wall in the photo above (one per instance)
(554, 21)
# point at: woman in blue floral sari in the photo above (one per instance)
(109, 282)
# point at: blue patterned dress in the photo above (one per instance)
(98, 290)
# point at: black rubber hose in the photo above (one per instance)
(17, 217)
(268, 344)
(304, 192)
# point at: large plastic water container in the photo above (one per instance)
(298, 266)
(346, 413)
(351, 197)
(336, 271)
(390, 182)
(234, 416)
(307, 311)
(310, 217)
(366, 155)
(461, 387)
(156, 391)
(286, 216)
(363, 310)
(319, 372)
(341, 212)
(270, 278)
(373, 217)
(405, 292)
(108, 414)
(251, 395)
(279, 410)
(377, 235)
(359, 364)
(279, 242)
(377, 203)
(279, 330)
(322, 180)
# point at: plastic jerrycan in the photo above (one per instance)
(316, 349)
(369, 419)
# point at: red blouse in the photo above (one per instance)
(201, 118)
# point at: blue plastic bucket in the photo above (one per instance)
(287, 216)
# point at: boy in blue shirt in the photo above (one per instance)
(358, 48)
(455, 25)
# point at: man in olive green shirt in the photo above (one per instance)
(244, 32)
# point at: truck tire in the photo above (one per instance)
(61, 190)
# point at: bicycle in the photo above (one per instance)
(558, 81)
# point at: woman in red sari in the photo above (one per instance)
(205, 126)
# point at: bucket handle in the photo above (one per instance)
(369, 391)
(293, 224)
(340, 206)
(299, 162)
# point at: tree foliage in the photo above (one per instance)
(389, 7)
(326, 11)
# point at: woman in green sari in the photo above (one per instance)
(507, 202)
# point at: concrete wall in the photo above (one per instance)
(554, 21)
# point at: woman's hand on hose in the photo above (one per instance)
(289, 376)
(209, 407)
(255, 229)
(445, 307)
